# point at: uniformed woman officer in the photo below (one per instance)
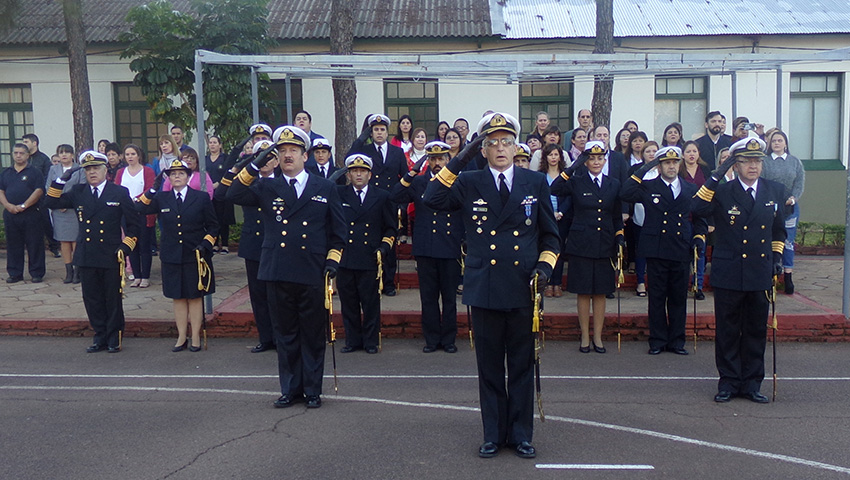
(596, 230)
(189, 229)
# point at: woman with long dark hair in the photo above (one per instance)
(672, 136)
(403, 137)
(695, 170)
(552, 164)
(442, 128)
(138, 178)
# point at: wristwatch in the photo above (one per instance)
(23, 205)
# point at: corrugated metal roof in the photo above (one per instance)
(41, 22)
(527, 19)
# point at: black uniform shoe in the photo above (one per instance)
(69, 273)
(525, 450)
(95, 348)
(113, 350)
(678, 350)
(14, 279)
(450, 349)
(609, 296)
(180, 348)
(193, 348)
(723, 396)
(287, 400)
(699, 295)
(37, 279)
(390, 292)
(56, 253)
(371, 350)
(789, 284)
(756, 397)
(348, 349)
(428, 349)
(262, 347)
(654, 351)
(488, 450)
(314, 401)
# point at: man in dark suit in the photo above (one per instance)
(371, 233)
(40, 161)
(101, 208)
(304, 236)
(714, 139)
(749, 234)
(250, 247)
(436, 247)
(666, 241)
(388, 166)
(512, 239)
(322, 163)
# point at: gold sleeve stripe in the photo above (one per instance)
(635, 178)
(701, 237)
(404, 181)
(245, 177)
(548, 257)
(54, 192)
(388, 240)
(145, 199)
(130, 242)
(705, 194)
(777, 247)
(446, 177)
(619, 232)
(565, 176)
(335, 255)
(210, 239)
(226, 181)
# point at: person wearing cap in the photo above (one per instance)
(251, 245)
(102, 208)
(523, 155)
(749, 236)
(594, 236)
(388, 166)
(305, 233)
(21, 188)
(667, 240)
(512, 240)
(189, 228)
(322, 163)
(438, 235)
(369, 214)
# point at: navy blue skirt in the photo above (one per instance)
(180, 280)
(590, 276)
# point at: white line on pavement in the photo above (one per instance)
(381, 401)
(591, 466)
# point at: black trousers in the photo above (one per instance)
(259, 302)
(299, 320)
(102, 299)
(507, 412)
(48, 227)
(741, 319)
(24, 233)
(438, 279)
(359, 288)
(668, 299)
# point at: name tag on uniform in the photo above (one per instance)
(319, 198)
(346, 205)
(587, 194)
(479, 209)
(165, 210)
(113, 204)
(734, 210)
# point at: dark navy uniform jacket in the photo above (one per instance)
(385, 174)
(313, 167)
(504, 244)
(597, 215)
(668, 227)
(251, 236)
(745, 237)
(184, 226)
(368, 225)
(436, 233)
(100, 221)
(300, 233)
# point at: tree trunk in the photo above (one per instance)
(78, 69)
(603, 85)
(345, 91)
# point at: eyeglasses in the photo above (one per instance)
(506, 142)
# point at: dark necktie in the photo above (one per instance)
(322, 168)
(751, 195)
(598, 183)
(360, 196)
(94, 193)
(381, 152)
(179, 198)
(503, 189)
(292, 183)
(672, 192)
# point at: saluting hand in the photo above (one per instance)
(417, 167)
(67, 174)
(264, 157)
(470, 150)
(157, 183)
(646, 167)
(569, 171)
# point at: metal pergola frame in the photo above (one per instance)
(515, 67)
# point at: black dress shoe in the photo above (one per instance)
(525, 450)
(113, 350)
(428, 349)
(180, 348)
(262, 347)
(699, 295)
(756, 397)
(193, 348)
(371, 350)
(654, 351)
(348, 349)
(95, 348)
(723, 396)
(450, 349)
(37, 279)
(488, 450)
(14, 279)
(584, 349)
(598, 349)
(677, 350)
(56, 253)
(390, 293)
(287, 400)
(609, 296)
(314, 401)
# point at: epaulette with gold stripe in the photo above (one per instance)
(446, 177)
(548, 257)
(210, 239)
(565, 176)
(705, 194)
(245, 177)
(130, 242)
(54, 192)
(388, 240)
(777, 246)
(145, 199)
(635, 178)
(405, 181)
(226, 181)
(335, 255)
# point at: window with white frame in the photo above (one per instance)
(683, 100)
(814, 133)
(15, 118)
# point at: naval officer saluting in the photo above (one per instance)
(512, 237)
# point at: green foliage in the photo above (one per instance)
(162, 44)
(813, 234)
